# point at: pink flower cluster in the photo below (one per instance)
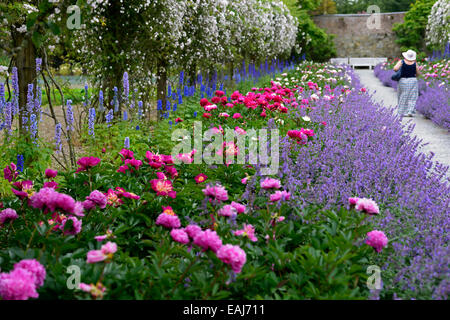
(270, 183)
(105, 253)
(248, 231)
(22, 282)
(131, 163)
(210, 240)
(365, 205)
(48, 199)
(232, 255)
(377, 240)
(23, 189)
(96, 291)
(216, 192)
(75, 226)
(86, 163)
(114, 197)
(280, 195)
(7, 215)
(96, 198)
(162, 186)
(301, 136)
(272, 98)
(10, 172)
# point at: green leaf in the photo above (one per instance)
(37, 39)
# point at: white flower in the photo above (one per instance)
(314, 97)
(306, 118)
(22, 29)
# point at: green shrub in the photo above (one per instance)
(411, 33)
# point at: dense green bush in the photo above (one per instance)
(316, 44)
(411, 33)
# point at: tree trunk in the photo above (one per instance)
(161, 86)
(25, 62)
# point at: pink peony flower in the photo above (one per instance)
(270, 183)
(19, 284)
(240, 131)
(50, 184)
(179, 235)
(24, 189)
(216, 192)
(172, 171)
(105, 253)
(227, 211)
(8, 215)
(237, 116)
(133, 163)
(97, 291)
(201, 178)
(208, 240)
(168, 220)
(204, 102)
(232, 255)
(49, 173)
(353, 201)
(163, 188)
(98, 198)
(86, 163)
(125, 194)
(35, 267)
(10, 172)
(248, 231)
(126, 154)
(108, 235)
(377, 240)
(192, 230)
(112, 198)
(368, 206)
(74, 229)
(240, 208)
(244, 180)
(280, 195)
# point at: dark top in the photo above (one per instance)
(408, 71)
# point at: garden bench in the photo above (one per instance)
(339, 61)
(365, 62)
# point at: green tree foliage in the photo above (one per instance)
(316, 44)
(411, 33)
(325, 7)
(356, 6)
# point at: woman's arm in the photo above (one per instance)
(417, 69)
(398, 65)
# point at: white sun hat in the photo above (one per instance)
(409, 55)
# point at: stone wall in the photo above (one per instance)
(355, 39)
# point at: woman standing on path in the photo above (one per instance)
(408, 91)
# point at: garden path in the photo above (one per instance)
(437, 138)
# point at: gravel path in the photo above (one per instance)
(437, 139)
